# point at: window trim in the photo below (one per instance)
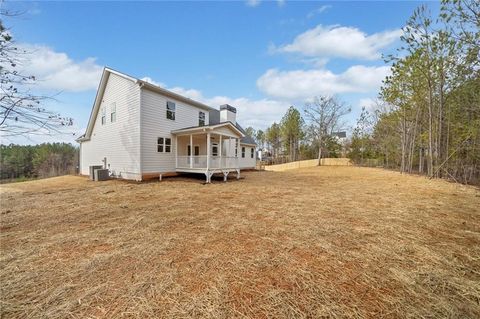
(113, 112)
(216, 146)
(163, 145)
(104, 116)
(171, 111)
(243, 151)
(200, 118)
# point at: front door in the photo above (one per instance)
(196, 153)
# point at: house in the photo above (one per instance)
(138, 130)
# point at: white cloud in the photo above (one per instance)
(339, 41)
(57, 71)
(281, 3)
(190, 93)
(369, 104)
(313, 13)
(151, 81)
(304, 84)
(252, 3)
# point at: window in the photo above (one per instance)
(113, 112)
(243, 152)
(168, 145)
(215, 149)
(171, 110)
(104, 120)
(201, 118)
(164, 145)
(252, 151)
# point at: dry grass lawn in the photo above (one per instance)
(308, 243)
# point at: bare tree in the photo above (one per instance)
(324, 115)
(21, 111)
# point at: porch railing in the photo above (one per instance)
(200, 161)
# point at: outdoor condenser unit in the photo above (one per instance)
(101, 174)
(92, 171)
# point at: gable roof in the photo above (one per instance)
(143, 84)
(230, 125)
(214, 114)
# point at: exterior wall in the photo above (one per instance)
(154, 124)
(119, 141)
(228, 116)
(247, 161)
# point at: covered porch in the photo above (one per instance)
(207, 150)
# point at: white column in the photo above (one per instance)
(191, 151)
(176, 151)
(208, 151)
(220, 150)
(237, 144)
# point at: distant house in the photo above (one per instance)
(139, 130)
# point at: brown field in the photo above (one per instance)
(308, 243)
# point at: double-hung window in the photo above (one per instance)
(171, 110)
(243, 152)
(113, 112)
(252, 151)
(164, 145)
(104, 119)
(201, 118)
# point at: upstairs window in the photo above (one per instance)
(243, 152)
(104, 119)
(164, 145)
(113, 112)
(252, 151)
(201, 118)
(171, 110)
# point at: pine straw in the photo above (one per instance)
(329, 241)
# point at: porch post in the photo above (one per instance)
(208, 157)
(208, 151)
(191, 151)
(238, 150)
(220, 150)
(176, 151)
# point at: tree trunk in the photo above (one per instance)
(430, 131)
(320, 151)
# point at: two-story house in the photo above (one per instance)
(139, 130)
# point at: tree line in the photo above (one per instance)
(37, 161)
(311, 136)
(427, 116)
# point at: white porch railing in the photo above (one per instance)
(200, 161)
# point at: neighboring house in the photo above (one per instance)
(139, 130)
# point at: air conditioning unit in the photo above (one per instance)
(92, 171)
(101, 175)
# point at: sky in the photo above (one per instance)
(259, 56)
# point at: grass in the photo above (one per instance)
(307, 243)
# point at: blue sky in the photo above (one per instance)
(256, 55)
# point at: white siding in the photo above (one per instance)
(247, 161)
(119, 142)
(154, 124)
